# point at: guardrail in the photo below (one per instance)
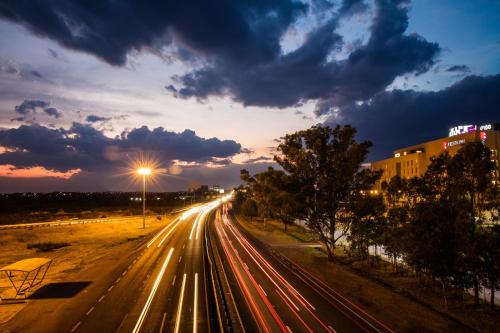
(228, 319)
(63, 223)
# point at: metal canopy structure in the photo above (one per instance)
(25, 275)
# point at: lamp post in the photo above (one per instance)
(144, 172)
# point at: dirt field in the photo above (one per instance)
(402, 313)
(83, 245)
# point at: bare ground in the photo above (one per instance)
(87, 245)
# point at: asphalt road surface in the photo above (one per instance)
(275, 295)
(166, 285)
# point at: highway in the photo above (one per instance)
(163, 290)
(275, 295)
(202, 273)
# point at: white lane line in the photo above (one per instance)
(195, 309)
(163, 322)
(110, 288)
(76, 326)
(90, 311)
(100, 299)
(152, 293)
(289, 330)
(180, 258)
(331, 329)
(179, 309)
(118, 280)
(173, 281)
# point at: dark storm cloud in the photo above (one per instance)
(240, 44)
(29, 107)
(82, 146)
(95, 119)
(399, 118)
(309, 73)
(111, 29)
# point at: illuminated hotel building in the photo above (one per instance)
(413, 161)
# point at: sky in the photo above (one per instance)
(206, 88)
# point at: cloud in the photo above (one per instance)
(399, 118)
(95, 119)
(259, 159)
(237, 45)
(460, 69)
(311, 73)
(52, 53)
(10, 69)
(29, 108)
(111, 30)
(86, 148)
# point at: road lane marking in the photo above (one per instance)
(331, 329)
(152, 293)
(195, 310)
(173, 281)
(179, 310)
(110, 288)
(180, 258)
(90, 311)
(76, 326)
(163, 322)
(118, 280)
(289, 330)
(100, 299)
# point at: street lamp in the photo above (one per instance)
(144, 172)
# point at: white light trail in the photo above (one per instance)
(179, 310)
(195, 310)
(152, 293)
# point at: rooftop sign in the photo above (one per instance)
(457, 130)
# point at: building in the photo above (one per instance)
(413, 161)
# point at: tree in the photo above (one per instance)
(367, 223)
(325, 166)
(488, 241)
(249, 208)
(273, 193)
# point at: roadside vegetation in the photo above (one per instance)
(440, 228)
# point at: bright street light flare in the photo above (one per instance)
(144, 171)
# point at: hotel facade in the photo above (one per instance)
(413, 161)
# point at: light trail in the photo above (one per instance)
(194, 225)
(152, 293)
(168, 233)
(162, 231)
(179, 310)
(262, 263)
(195, 310)
(263, 297)
(254, 309)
